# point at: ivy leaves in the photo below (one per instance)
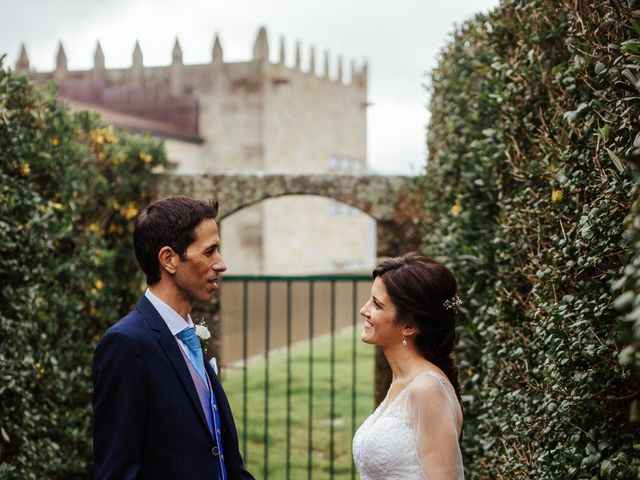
(532, 136)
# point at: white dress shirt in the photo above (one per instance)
(174, 321)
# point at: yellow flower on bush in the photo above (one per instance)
(94, 227)
(57, 206)
(103, 135)
(557, 196)
(117, 229)
(109, 135)
(54, 141)
(25, 169)
(98, 284)
(456, 210)
(146, 158)
(130, 211)
(116, 205)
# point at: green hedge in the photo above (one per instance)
(70, 188)
(534, 125)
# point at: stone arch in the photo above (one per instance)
(384, 198)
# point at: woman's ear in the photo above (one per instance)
(168, 260)
(408, 331)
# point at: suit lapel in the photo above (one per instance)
(172, 351)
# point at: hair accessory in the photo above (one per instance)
(453, 303)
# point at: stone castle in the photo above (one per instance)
(252, 117)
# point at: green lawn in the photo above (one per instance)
(300, 443)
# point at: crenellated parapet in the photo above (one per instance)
(199, 75)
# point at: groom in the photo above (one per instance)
(160, 411)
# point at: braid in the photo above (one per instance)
(444, 363)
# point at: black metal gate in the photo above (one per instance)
(298, 377)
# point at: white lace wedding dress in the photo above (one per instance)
(415, 437)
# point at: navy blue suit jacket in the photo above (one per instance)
(149, 423)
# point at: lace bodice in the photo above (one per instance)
(414, 436)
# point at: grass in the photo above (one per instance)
(309, 446)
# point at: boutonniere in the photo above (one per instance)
(203, 334)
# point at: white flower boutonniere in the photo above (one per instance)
(203, 334)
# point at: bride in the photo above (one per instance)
(413, 434)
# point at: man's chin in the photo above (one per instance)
(205, 297)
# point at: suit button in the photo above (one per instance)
(215, 451)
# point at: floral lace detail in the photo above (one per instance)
(384, 447)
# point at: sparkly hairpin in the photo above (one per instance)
(453, 303)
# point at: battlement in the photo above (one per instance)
(180, 78)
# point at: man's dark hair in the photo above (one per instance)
(168, 223)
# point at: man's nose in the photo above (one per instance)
(219, 265)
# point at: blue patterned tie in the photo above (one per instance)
(190, 339)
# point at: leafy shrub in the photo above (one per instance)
(534, 114)
(70, 187)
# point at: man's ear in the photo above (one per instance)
(168, 260)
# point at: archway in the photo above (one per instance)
(384, 198)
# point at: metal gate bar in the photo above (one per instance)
(354, 309)
(288, 379)
(310, 431)
(316, 285)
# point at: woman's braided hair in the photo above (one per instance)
(419, 286)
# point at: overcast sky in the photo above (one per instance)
(399, 39)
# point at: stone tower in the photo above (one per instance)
(258, 116)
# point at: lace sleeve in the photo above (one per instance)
(435, 417)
